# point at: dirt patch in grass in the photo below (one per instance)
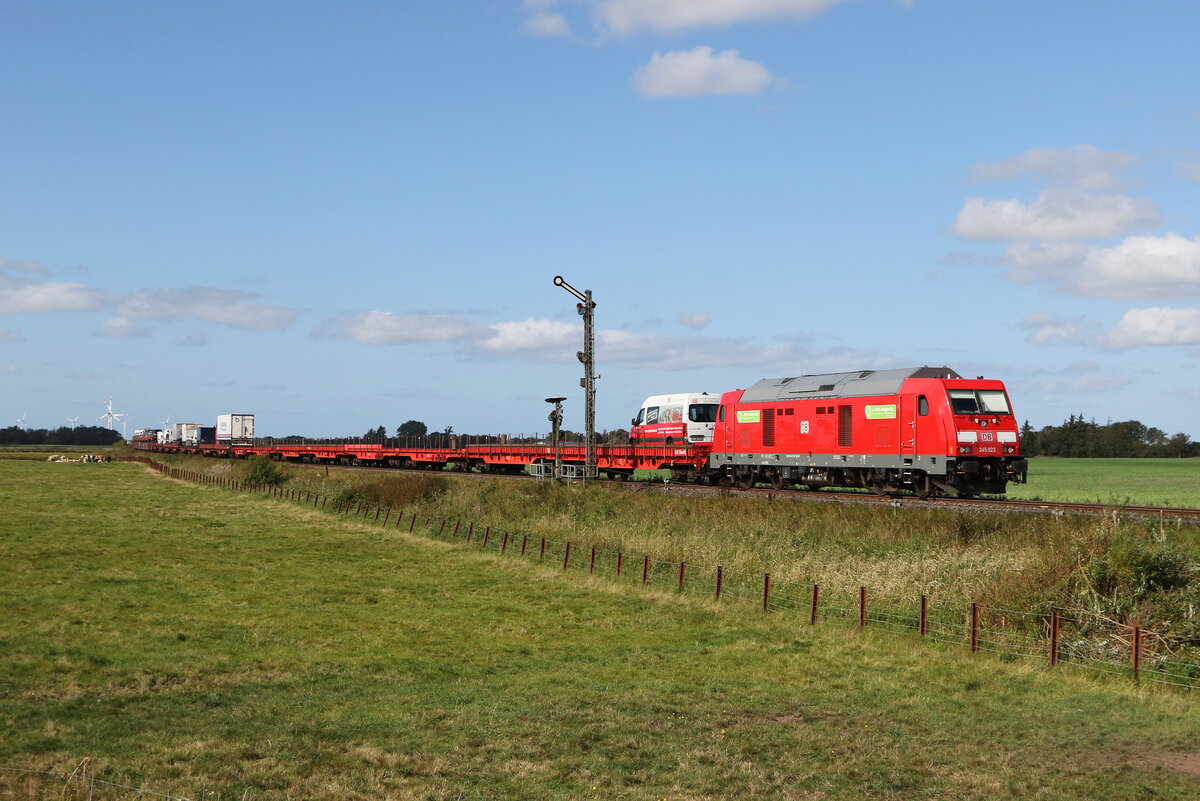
(1185, 763)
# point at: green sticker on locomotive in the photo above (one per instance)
(883, 412)
(750, 416)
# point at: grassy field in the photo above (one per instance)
(1118, 482)
(194, 641)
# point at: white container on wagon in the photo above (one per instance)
(191, 433)
(235, 427)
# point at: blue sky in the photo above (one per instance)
(342, 215)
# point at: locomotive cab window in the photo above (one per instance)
(923, 406)
(983, 401)
(721, 415)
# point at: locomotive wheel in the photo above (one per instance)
(778, 481)
(744, 478)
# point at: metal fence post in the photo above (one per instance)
(766, 591)
(720, 572)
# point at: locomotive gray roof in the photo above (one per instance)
(840, 385)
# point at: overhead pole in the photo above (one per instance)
(587, 356)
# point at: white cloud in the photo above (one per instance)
(547, 24)
(1049, 329)
(1156, 326)
(557, 341)
(626, 16)
(1099, 383)
(1189, 171)
(695, 320)
(386, 328)
(1055, 215)
(1080, 166)
(195, 339)
(120, 328)
(1137, 268)
(24, 296)
(688, 73)
(24, 266)
(11, 336)
(230, 307)
(9, 369)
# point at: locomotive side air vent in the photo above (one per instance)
(826, 388)
(866, 373)
(845, 426)
(768, 427)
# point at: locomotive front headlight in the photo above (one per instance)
(1009, 449)
(964, 448)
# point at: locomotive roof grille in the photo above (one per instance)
(860, 383)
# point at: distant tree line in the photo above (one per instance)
(82, 435)
(1080, 437)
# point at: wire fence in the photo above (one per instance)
(1085, 640)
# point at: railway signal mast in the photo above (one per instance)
(588, 356)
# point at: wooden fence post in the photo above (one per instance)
(646, 570)
(720, 572)
(1137, 653)
(766, 591)
(974, 628)
(816, 596)
(567, 555)
(1054, 624)
(923, 623)
(862, 607)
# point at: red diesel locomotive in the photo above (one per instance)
(921, 429)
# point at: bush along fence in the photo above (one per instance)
(1085, 640)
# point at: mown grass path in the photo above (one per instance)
(215, 645)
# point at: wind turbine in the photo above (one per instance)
(21, 420)
(74, 421)
(110, 415)
(166, 423)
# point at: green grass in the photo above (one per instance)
(1117, 482)
(215, 645)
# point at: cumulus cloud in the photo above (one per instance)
(195, 339)
(1055, 215)
(230, 307)
(1156, 326)
(695, 320)
(1047, 328)
(387, 328)
(120, 328)
(28, 296)
(627, 16)
(1189, 171)
(1080, 166)
(24, 266)
(547, 24)
(1137, 268)
(558, 341)
(11, 336)
(689, 73)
